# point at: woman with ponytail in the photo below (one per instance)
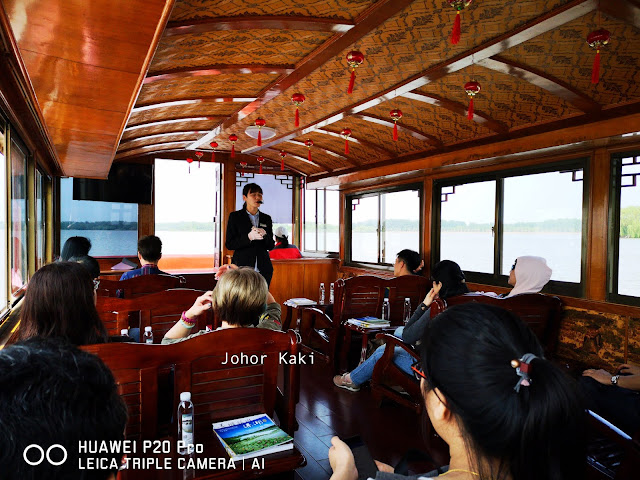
(505, 411)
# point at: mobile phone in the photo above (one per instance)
(364, 461)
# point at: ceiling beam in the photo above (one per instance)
(543, 80)
(258, 22)
(378, 13)
(549, 21)
(274, 162)
(168, 121)
(303, 159)
(207, 70)
(191, 101)
(627, 11)
(158, 135)
(357, 141)
(137, 150)
(459, 108)
(414, 132)
(330, 152)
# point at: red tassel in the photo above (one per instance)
(282, 164)
(309, 154)
(189, 168)
(470, 112)
(352, 81)
(595, 71)
(346, 146)
(213, 156)
(259, 138)
(233, 150)
(395, 131)
(260, 168)
(198, 163)
(297, 117)
(455, 33)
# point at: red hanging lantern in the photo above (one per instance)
(189, 160)
(282, 155)
(260, 122)
(243, 165)
(354, 59)
(458, 5)
(260, 161)
(199, 155)
(309, 144)
(346, 133)
(396, 115)
(297, 99)
(213, 145)
(472, 89)
(597, 39)
(233, 138)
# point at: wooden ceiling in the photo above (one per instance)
(221, 64)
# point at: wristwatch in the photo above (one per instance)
(614, 379)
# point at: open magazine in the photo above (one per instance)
(296, 302)
(252, 436)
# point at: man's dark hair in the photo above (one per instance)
(74, 247)
(150, 248)
(251, 188)
(88, 262)
(54, 394)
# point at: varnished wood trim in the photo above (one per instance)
(158, 135)
(543, 80)
(598, 225)
(305, 160)
(414, 132)
(357, 140)
(143, 107)
(627, 11)
(459, 108)
(158, 148)
(168, 121)
(244, 69)
(258, 22)
(328, 151)
(158, 144)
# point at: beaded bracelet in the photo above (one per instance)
(187, 322)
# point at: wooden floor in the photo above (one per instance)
(325, 410)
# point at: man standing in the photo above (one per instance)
(250, 233)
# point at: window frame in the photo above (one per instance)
(11, 139)
(613, 241)
(315, 220)
(377, 193)
(572, 289)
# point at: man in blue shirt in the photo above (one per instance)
(149, 253)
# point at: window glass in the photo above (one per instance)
(322, 228)
(40, 219)
(466, 228)
(185, 207)
(364, 229)
(629, 241)
(111, 227)
(400, 222)
(310, 220)
(3, 218)
(332, 220)
(19, 265)
(543, 217)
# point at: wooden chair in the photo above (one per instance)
(135, 287)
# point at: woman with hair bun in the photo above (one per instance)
(505, 411)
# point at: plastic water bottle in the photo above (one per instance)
(148, 335)
(407, 310)
(386, 309)
(185, 423)
(331, 297)
(124, 332)
(321, 296)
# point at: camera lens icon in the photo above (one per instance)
(42, 454)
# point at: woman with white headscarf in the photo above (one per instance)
(528, 275)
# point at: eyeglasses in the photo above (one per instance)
(96, 284)
(513, 267)
(418, 371)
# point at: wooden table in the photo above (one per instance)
(365, 332)
(286, 325)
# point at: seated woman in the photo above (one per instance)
(448, 280)
(528, 275)
(283, 249)
(75, 247)
(408, 262)
(88, 262)
(240, 299)
(504, 410)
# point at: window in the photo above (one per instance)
(277, 196)
(41, 200)
(3, 218)
(486, 222)
(19, 266)
(322, 220)
(383, 223)
(186, 208)
(624, 265)
(111, 227)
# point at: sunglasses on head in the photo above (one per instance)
(418, 371)
(513, 267)
(96, 284)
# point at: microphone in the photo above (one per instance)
(260, 202)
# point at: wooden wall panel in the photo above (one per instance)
(302, 278)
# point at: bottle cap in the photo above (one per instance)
(185, 397)
(124, 332)
(322, 284)
(407, 299)
(147, 329)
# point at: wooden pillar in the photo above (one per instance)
(427, 194)
(228, 201)
(598, 225)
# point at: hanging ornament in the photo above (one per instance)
(472, 89)
(346, 132)
(243, 165)
(260, 122)
(189, 160)
(458, 5)
(260, 161)
(309, 144)
(199, 155)
(354, 59)
(597, 39)
(213, 145)
(396, 115)
(297, 99)
(233, 138)
(282, 155)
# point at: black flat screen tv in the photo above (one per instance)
(127, 183)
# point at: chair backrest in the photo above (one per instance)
(414, 287)
(142, 285)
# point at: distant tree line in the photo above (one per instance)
(630, 222)
(98, 225)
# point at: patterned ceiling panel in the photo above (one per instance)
(171, 127)
(565, 54)
(219, 85)
(317, 155)
(503, 97)
(357, 152)
(210, 109)
(196, 9)
(361, 153)
(182, 137)
(291, 162)
(281, 47)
